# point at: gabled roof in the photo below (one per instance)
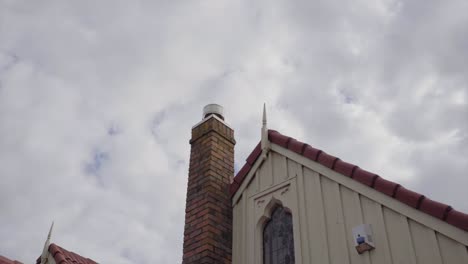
(4, 260)
(63, 256)
(392, 189)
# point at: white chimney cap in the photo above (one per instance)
(213, 109)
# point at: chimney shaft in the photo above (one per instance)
(208, 212)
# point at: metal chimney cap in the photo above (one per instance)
(213, 109)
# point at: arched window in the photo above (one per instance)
(278, 241)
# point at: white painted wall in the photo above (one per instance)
(325, 207)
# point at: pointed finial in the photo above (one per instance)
(264, 141)
(45, 251)
(50, 231)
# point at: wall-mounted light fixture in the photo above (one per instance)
(363, 238)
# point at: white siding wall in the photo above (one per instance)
(324, 212)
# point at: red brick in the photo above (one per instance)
(208, 206)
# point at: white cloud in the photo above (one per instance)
(97, 101)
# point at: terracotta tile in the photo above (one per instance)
(327, 160)
(408, 197)
(242, 173)
(365, 177)
(295, 146)
(254, 154)
(385, 186)
(458, 219)
(278, 138)
(233, 187)
(63, 256)
(344, 168)
(311, 153)
(434, 208)
(5, 260)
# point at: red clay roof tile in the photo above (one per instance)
(240, 177)
(311, 153)
(278, 138)
(5, 260)
(365, 177)
(233, 187)
(385, 186)
(242, 173)
(409, 197)
(395, 190)
(434, 208)
(345, 168)
(295, 146)
(457, 219)
(254, 155)
(327, 160)
(63, 256)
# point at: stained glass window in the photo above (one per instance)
(278, 241)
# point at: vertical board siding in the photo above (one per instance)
(318, 244)
(266, 177)
(397, 236)
(280, 172)
(325, 213)
(335, 222)
(255, 185)
(372, 213)
(409, 237)
(235, 234)
(304, 226)
(353, 217)
(244, 230)
(250, 231)
(425, 243)
(452, 252)
(292, 168)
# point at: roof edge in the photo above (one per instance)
(413, 199)
(63, 256)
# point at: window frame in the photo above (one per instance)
(287, 213)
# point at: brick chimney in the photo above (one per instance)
(208, 212)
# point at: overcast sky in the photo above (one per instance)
(97, 99)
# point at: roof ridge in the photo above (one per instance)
(413, 199)
(63, 256)
(5, 260)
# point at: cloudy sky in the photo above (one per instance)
(97, 99)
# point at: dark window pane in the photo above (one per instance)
(278, 241)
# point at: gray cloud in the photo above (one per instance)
(97, 101)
